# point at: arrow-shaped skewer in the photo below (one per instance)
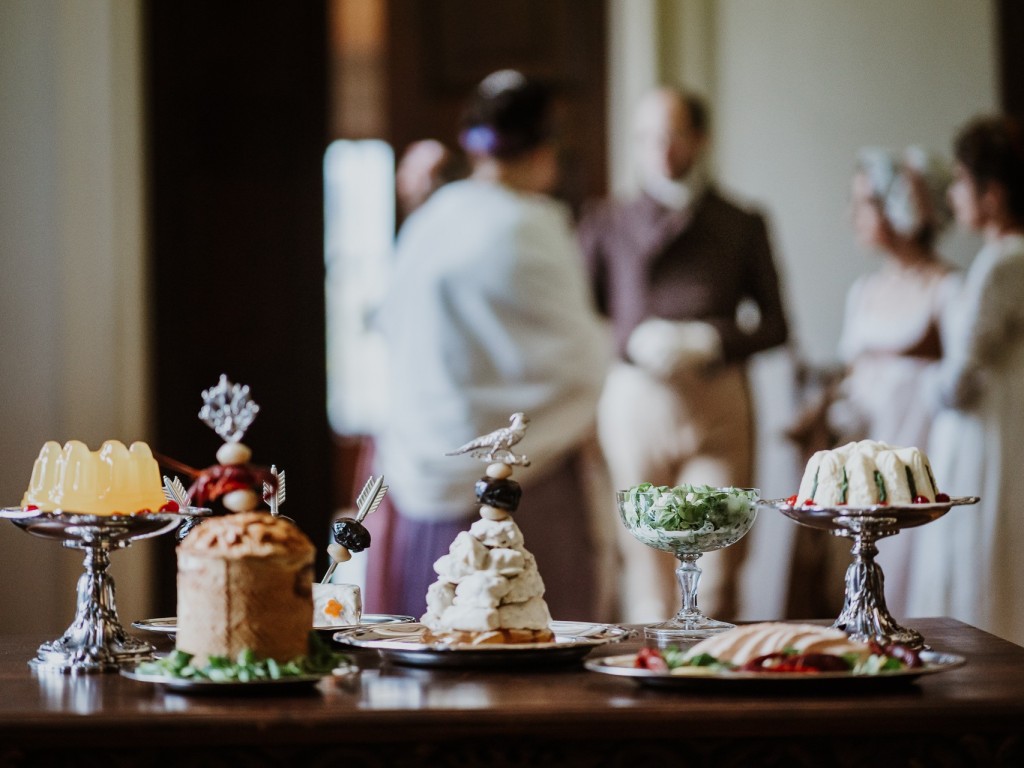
(366, 502)
(175, 491)
(370, 497)
(274, 499)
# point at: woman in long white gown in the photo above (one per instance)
(891, 338)
(968, 564)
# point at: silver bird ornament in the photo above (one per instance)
(497, 445)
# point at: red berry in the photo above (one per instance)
(170, 506)
(808, 502)
(31, 508)
(919, 499)
(791, 501)
(650, 658)
(941, 498)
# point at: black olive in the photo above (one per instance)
(351, 534)
(501, 494)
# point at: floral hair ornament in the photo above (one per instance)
(479, 140)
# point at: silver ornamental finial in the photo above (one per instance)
(228, 410)
(496, 446)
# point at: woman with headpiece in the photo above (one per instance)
(968, 564)
(890, 346)
(489, 314)
(891, 337)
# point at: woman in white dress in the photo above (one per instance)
(890, 341)
(968, 564)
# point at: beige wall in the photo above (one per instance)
(72, 344)
(802, 84)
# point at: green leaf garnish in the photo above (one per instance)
(247, 667)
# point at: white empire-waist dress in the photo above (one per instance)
(891, 342)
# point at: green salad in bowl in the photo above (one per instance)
(687, 519)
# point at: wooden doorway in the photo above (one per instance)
(403, 69)
(236, 129)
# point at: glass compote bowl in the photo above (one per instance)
(687, 521)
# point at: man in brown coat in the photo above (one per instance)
(687, 279)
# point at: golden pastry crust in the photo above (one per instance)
(490, 637)
(245, 582)
(247, 534)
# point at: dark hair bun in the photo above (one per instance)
(508, 114)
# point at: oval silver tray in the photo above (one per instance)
(718, 680)
(404, 644)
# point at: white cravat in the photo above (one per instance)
(678, 194)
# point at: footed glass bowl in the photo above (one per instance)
(687, 521)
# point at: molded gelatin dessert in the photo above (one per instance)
(867, 473)
(245, 582)
(113, 480)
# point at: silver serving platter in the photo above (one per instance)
(865, 615)
(233, 687)
(405, 644)
(83, 528)
(885, 519)
(169, 625)
(95, 641)
(718, 680)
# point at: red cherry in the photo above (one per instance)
(31, 508)
(791, 501)
(919, 499)
(170, 506)
(808, 502)
(941, 498)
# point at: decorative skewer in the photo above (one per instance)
(274, 499)
(175, 491)
(349, 534)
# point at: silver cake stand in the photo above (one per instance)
(95, 641)
(865, 616)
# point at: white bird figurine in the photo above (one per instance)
(496, 446)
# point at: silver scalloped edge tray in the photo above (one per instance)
(404, 644)
(886, 516)
(21, 513)
(874, 509)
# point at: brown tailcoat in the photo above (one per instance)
(646, 260)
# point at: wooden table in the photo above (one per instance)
(391, 716)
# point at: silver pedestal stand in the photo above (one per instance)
(865, 616)
(95, 641)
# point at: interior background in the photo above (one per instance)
(796, 87)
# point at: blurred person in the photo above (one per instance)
(671, 269)
(890, 345)
(425, 166)
(489, 313)
(968, 564)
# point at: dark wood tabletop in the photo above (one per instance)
(563, 716)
